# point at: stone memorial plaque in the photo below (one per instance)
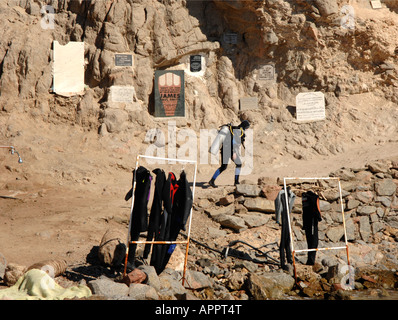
(195, 63)
(122, 94)
(376, 4)
(248, 103)
(266, 72)
(231, 38)
(310, 106)
(123, 60)
(169, 93)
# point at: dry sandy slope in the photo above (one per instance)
(70, 188)
(65, 222)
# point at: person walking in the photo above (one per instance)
(233, 138)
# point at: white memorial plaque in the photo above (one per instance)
(266, 72)
(376, 4)
(68, 68)
(310, 106)
(122, 94)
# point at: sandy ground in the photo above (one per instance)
(71, 185)
(63, 213)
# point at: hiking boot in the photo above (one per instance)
(212, 184)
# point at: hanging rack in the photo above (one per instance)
(186, 242)
(317, 249)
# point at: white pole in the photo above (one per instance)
(288, 218)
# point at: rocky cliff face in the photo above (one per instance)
(313, 45)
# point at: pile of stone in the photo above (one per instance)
(369, 202)
(143, 283)
(244, 207)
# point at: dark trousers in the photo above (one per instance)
(284, 245)
(224, 164)
(311, 235)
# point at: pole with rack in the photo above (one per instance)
(290, 228)
(186, 242)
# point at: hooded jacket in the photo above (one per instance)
(280, 203)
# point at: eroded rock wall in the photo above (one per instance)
(311, 44)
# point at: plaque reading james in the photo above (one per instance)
(123, 60)
(266, 72)
(310, 106)
(169, 93)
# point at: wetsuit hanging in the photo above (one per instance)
(281, 214)
(311, 217)
(181, 210)
(156, 210)
(159, 250)
(139, 217)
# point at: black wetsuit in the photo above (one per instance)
(139, 217)
(182, 205)
(281, 211)
(159, 250)
(156, 210)
(311, 217)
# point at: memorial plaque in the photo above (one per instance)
(68, 68)
(169, 93)
(195, 63)
(266, 72)
(231, 38)
(123, 60)
(310, 106)
(122, 94)
(376, 4)
(248, 103)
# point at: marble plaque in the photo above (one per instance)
(122, 94)
(266, 72)
(376, 4)
(68, 68)
(310, 106)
